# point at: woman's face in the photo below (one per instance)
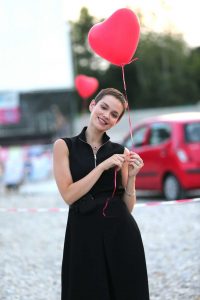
(106, 112)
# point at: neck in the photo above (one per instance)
(93, 137)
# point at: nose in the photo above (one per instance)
(106, 114)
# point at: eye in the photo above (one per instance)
(103, 107)
(114, 115)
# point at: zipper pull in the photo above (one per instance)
(95, 160)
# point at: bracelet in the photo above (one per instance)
(129, 194)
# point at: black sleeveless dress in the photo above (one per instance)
(103, 257)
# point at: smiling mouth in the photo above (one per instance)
(102, 121)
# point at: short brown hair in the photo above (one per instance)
(115, 93)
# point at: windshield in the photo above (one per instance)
(192, 132)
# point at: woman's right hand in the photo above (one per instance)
(116, 160)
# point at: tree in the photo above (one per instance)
(85, 61)
(162, 71)
(194, 72)
(166, 73)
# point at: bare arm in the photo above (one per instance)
(129, 172)
(72, 191)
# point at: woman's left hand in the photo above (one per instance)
(135, 163)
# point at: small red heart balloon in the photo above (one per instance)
(116, 38)
(86, 86)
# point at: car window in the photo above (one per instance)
(192, 132)
(159, 133)
(139, 137)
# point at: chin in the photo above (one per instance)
(101, 128)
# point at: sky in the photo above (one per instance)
(35, 46)
(178, 15)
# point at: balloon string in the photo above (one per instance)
(131, 132)
(113, 193)
(134, 59)
(128, 108)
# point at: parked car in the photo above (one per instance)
(170, 148)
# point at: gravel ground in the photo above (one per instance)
(31, 245)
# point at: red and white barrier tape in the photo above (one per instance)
(156, 203)
(63, 209)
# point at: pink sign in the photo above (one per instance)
(10, 116)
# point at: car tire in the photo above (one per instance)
(172, 189)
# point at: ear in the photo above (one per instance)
(92, 105)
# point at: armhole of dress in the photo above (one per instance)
(123, 149)
(68, 143)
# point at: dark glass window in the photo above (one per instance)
(159, 133)
(139, 137)
(192, 132)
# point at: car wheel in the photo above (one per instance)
(172, 189)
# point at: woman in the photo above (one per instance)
(103, 256)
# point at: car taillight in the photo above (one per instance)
(182, 155)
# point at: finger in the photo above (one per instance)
(136, 156)
(135, 167)
(121, 159)
(137, 163)
(135, 159)
(118, 162)
(118, 166)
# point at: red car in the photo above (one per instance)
(170, 148)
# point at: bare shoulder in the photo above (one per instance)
(60, 147)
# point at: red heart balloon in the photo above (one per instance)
(86, 86)
(116, 38)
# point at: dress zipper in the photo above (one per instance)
(95, 159)
(95, 155)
